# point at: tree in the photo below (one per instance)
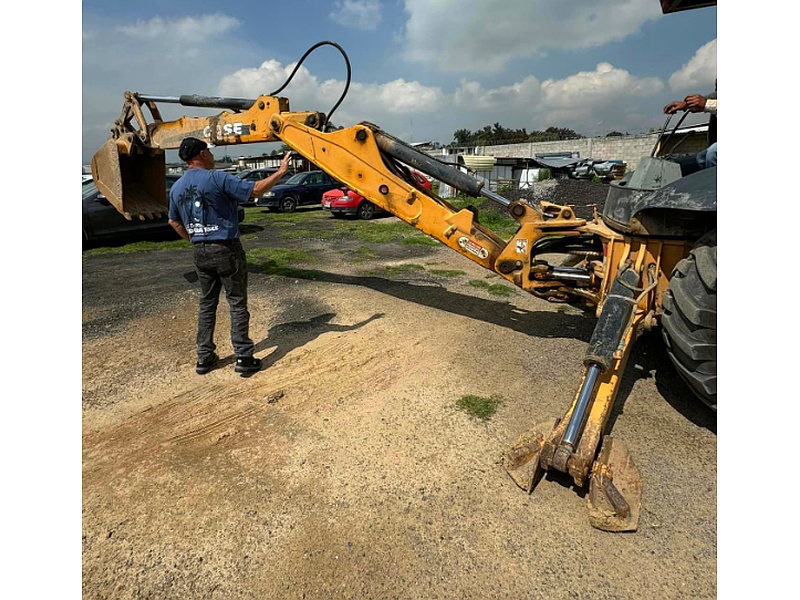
(497, 134)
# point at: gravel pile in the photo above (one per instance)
(583, 195)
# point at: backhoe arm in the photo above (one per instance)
(130, 171)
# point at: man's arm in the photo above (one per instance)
(178, 226)
(264, 185)
(694, 103)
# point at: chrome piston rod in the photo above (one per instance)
(578, 418)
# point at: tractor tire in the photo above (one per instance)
(288, 204)
(689, 323)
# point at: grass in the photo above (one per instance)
(138, 247)
(308, 234)
(366, 252)
(278, 261)
(495, 289)
(421, 240)
(280, 256)
(446, 272)
(374, 232)
(479, 407)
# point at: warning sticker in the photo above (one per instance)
(522, 246)
(473, 248)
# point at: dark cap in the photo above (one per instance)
(191, 147)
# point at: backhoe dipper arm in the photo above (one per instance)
(356, 157)
(366, 159)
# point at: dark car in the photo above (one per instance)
(301, 189)
(258, 175)
(101, 221)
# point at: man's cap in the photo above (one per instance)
(191, 147)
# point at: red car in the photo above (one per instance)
(345, 201)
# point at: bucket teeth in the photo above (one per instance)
(521, 462)
(615, 489)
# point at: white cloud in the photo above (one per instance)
(166, 57)
(697, 75)
(407, 109)
(607, 95)
(267, 78)
(523, 95)
(364, 101)
(399, 96)
(360, 14)
(404, 106)
(490, 34)
(191, 29)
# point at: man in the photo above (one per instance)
(696, 103)
(203, 209)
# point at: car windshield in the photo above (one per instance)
(243, 174)
(295, 179)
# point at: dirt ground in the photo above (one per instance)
(345, 469)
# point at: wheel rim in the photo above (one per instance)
(366, 210)
(288, 205)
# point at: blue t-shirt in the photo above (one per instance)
(206, 203)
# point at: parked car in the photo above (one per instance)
(344, 201)
(259, 174)
(101, 221)
(301, 189)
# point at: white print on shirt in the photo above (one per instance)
(202, 229)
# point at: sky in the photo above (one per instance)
(421, 69)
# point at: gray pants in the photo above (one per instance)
(222, 265)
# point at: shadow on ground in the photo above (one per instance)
(535, 323)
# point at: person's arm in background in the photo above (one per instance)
(693, 103)
(697, 103)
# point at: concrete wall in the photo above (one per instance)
(629, 148)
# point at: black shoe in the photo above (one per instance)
(247, 364)
(203, 367)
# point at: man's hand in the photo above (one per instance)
(262, 186)
(284, 168)
(674, 106)
(695, 103)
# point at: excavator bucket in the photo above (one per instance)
(615, 489)
(521, 462)
(133, 180)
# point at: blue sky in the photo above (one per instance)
(421, 69)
